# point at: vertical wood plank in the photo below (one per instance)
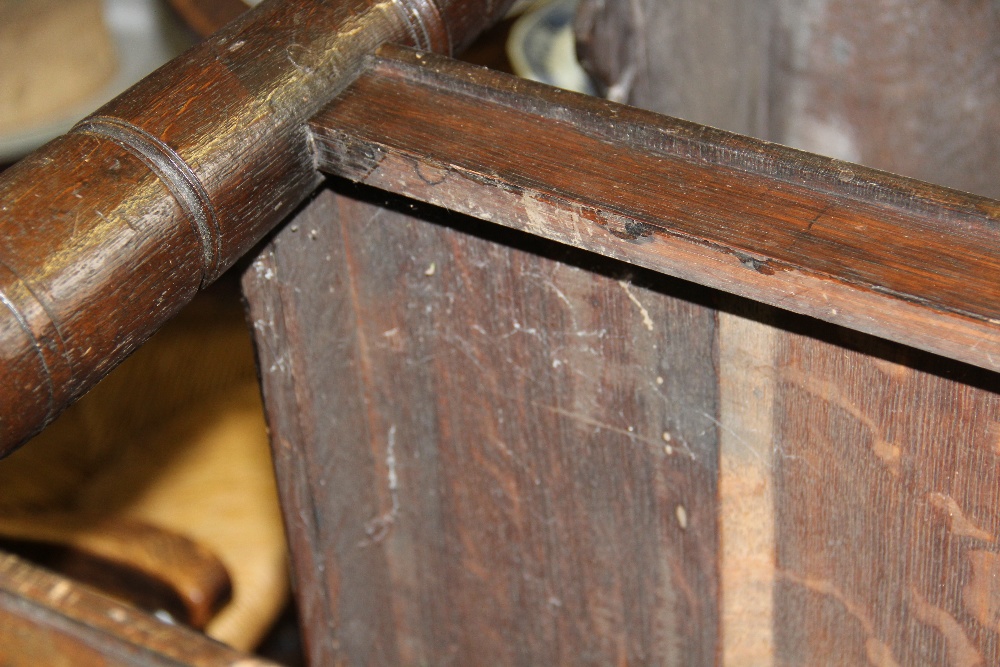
(888, 505)
(746, 488)
(305, 342)
(709, 62)
(498, 452)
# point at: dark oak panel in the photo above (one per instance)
(887, 487)
(489, 449)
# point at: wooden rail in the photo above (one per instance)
(107, 231)
(878, 253)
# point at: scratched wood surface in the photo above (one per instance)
(803, 412)
(493, 449)
(879, 470)
(450, 489)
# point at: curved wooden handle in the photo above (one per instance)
(107, 231)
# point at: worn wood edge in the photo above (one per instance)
(60, 606)
(907, 318)
(747, 531)
(274, 337)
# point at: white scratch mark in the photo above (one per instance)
(390, 462)
(591, 334)
(378, 528)
(559, 293)
(628, 432)
(642, 309)
(736, 436)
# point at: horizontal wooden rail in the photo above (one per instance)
(885, 255)
(110, 229)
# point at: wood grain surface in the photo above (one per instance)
(635, 50)
(488, 451)
(853, 495)
(886, 505)
(163, 188)
(897, 258)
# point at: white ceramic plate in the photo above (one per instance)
(542, 46)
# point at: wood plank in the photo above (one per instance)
(881, 254)
(887, 487)
(635, 50)
(489, 449)
(747, 524)
(46, 619)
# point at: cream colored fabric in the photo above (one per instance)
(174, 437)
(53, 53)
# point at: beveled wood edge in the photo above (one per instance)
(529, 202)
